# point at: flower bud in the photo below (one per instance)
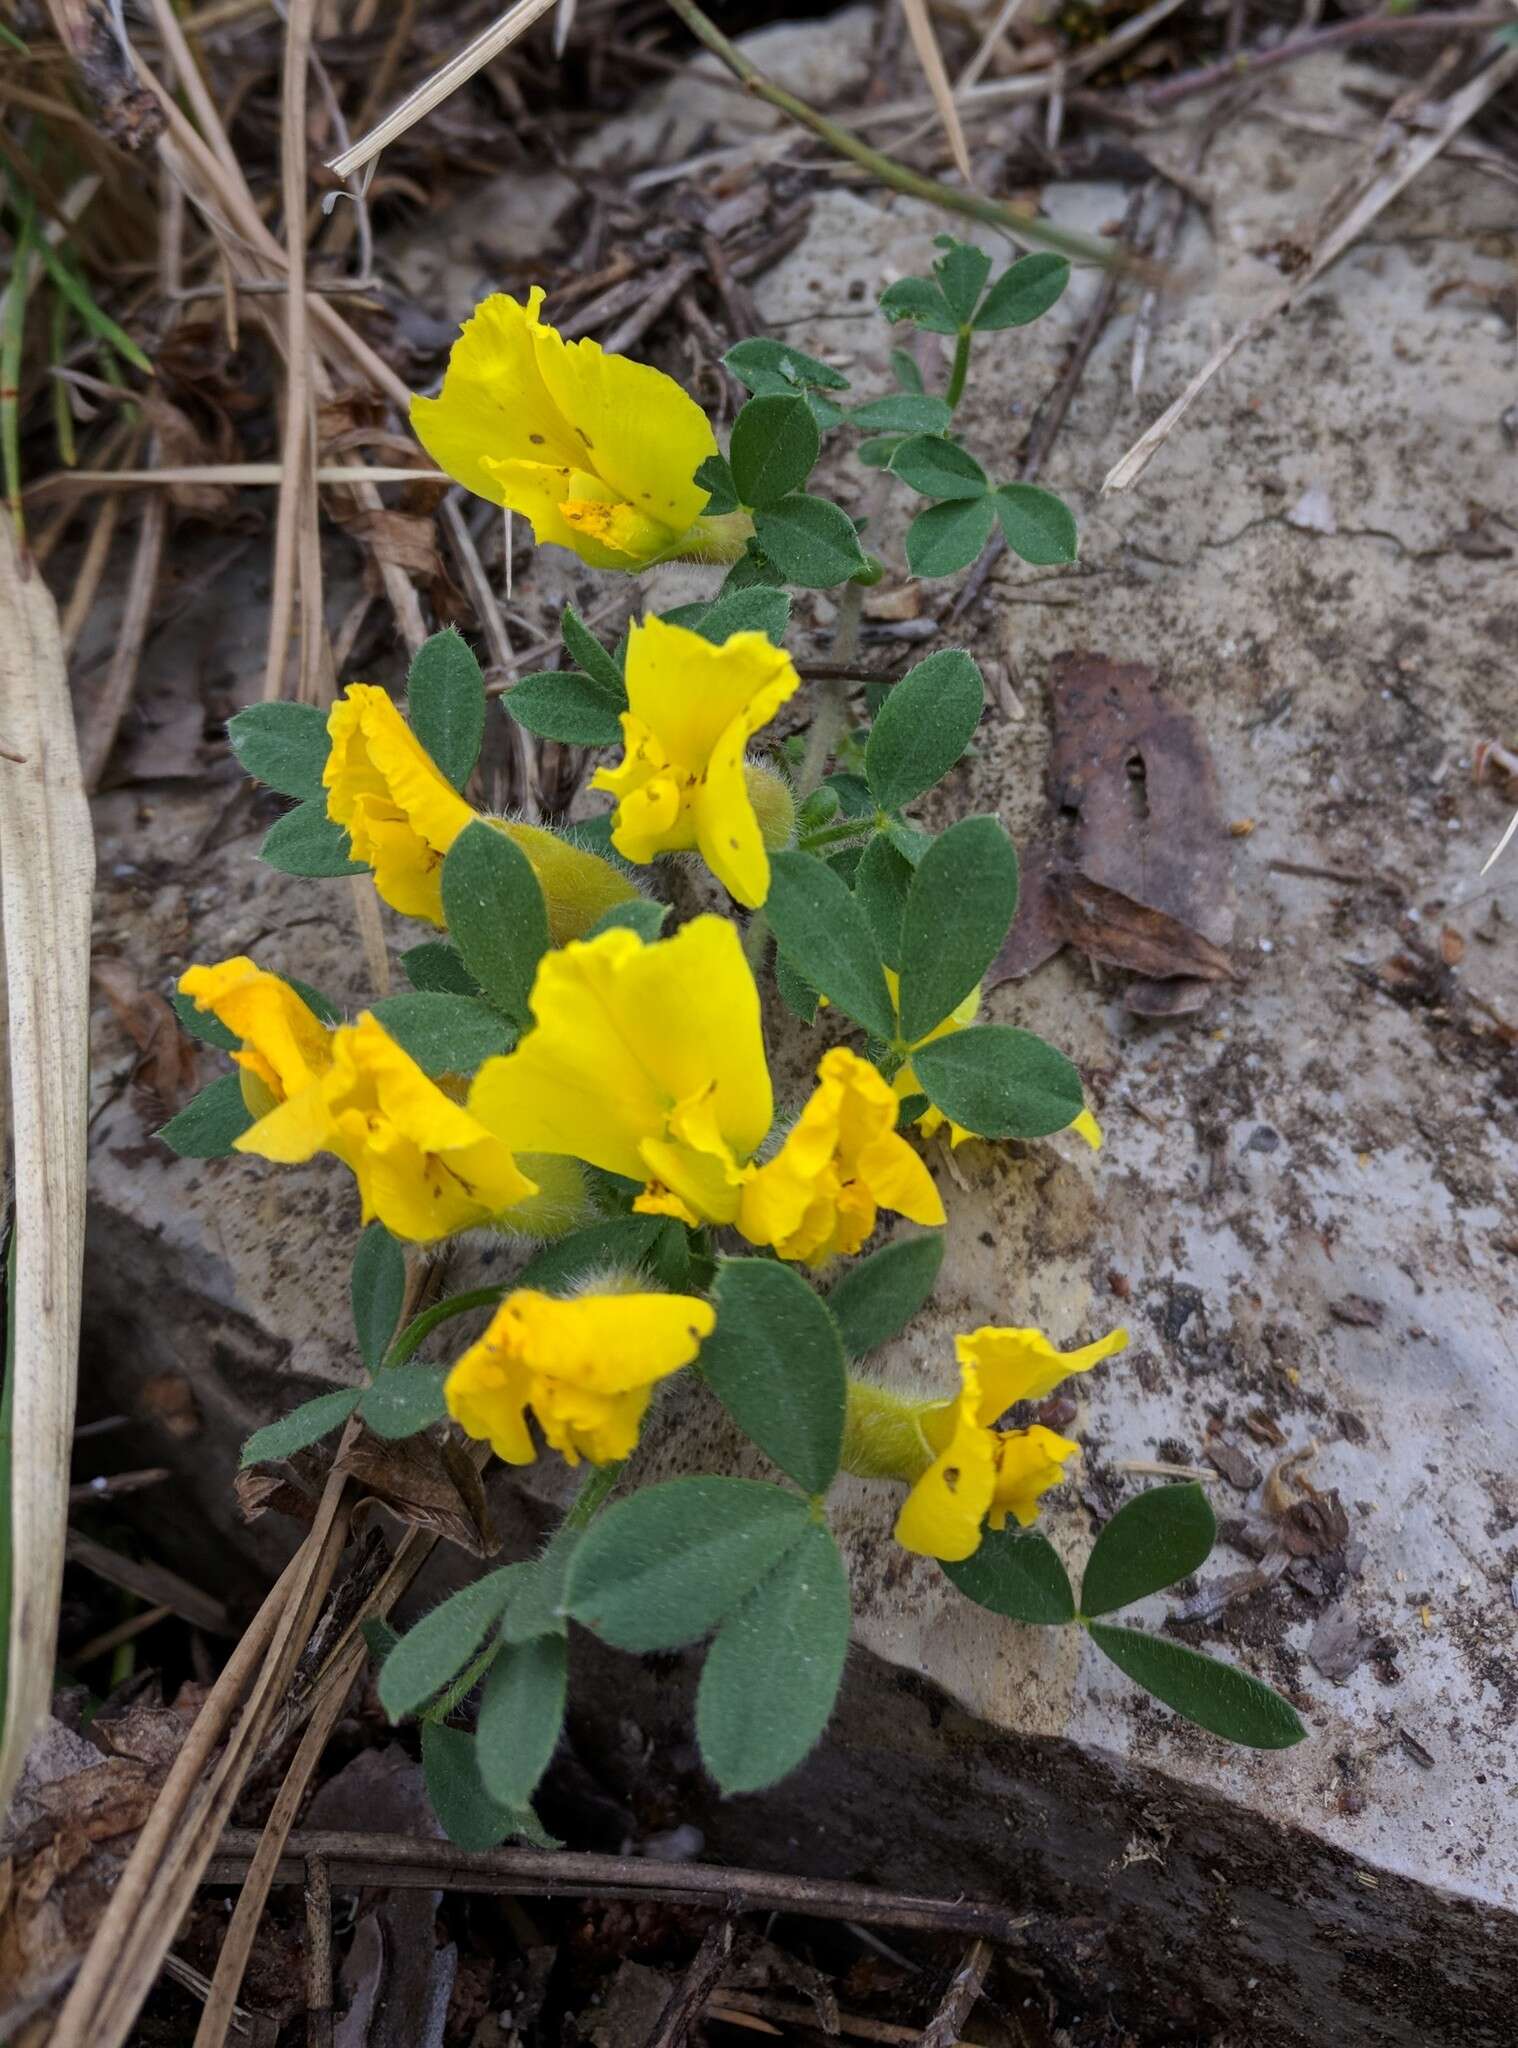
(774, 805)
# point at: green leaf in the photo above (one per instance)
(919, 300)
(442, 1642)
(304, 1425)
(210, 1123)
(1039, 527)
(715, 478)
(759, 610)
(774, 447)
(796, 992)
(404, 1400)
(1022, 293)
(522, 1717)
(876, 452)
(469, 1817)
(664, 1568)
(1217, 1697)
(904, 369)
(444, 1034)
(537, 1603)
(202, 1024)
(377, 1291)
(562, 704)
(923, 727)
(855, 797)
(775, 1362)
(961, 906)
(621, 1242)
(908, 841)
(1017, 1573)
(772, 1674)
(947, 538)
(880, 1295)
(587, 653)
(435, 969)
(284, 745)
(445, 697)
(1153, 1540)
(810, 541)
(496, 914)
(826, 937)
(881, 882)
(961, 271)
(777, 358)
(307, 842)
(1000, 1082)
(635, 914)
(939, 468)
(904, 412)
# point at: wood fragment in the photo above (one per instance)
(690, 1995)
(961, 1998)
(47, 868)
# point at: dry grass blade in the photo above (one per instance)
(1417, 149)
(930, 57)
(47, 868)
(103, 721)
(85, 482)
(433, 91)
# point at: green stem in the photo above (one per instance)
(599, 1482)
(960, 371)
(1025, 227)
(831, 835)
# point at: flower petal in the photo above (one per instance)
(1028, 1463)
(494, 404)
(636, 428)
(625, 1032)
(1022, 1365)
(727, 827)
(400, 811)
(286, 1046)
(943, 1513)
(688, 692)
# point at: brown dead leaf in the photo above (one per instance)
(1108, 925)
(262, 1492)
(1451, 946)
(166, 1068)
(168, 1400)
(428, 1483)
(110, 1799)
(1134, 867)
(406, 540)
(181, 445)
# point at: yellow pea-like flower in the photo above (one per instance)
(424, 1166)
(980, 1474)
(585, 1368)
(401, 814)
(682, 781)
(842, 1162)
(598, 451)
(645, 1060)
(285, 1047)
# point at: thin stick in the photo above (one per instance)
(1022, 227)
(1418, 149)
(153, 1582)
(112, 1638)
(930, 57)
(993, 35)
(318, 1955)
(297, 550)
(237, 1945)
(690, 1995)
(1231, 69)
(82, 482)
(961, 1998)
(433, 91)
(96, 554)
(106, 713)
(413, 1863)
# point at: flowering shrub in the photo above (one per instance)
(572, 1071)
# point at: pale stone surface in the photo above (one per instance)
(1306, 1141)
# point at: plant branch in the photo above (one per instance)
(1023, 227)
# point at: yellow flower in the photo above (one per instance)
(402, 814)
(586, 1368)
(647, 1061)
(425, 1167)
(285, 1045)
(906, 1082)
(843, 1162)
(980, 1473)
(598, 451)
(692, 709)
